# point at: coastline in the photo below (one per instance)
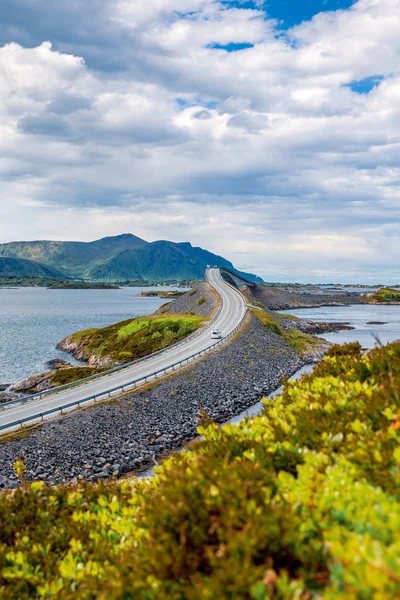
(122, 436)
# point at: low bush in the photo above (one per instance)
(385, 295)
(300, 503)
(135, 338)
(201, 300)
(64, 376)
(299, 341)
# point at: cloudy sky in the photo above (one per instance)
(268, 132)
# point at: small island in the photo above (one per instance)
(82, 285)
(385, 296)
(161, 294)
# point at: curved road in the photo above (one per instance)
(232, 312)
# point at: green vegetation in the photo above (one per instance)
(301, 503)
(385, 295)
(15, 281)
(134, 338)
(64, 376)
(162, 294)
(82, 285)
(19, 267)
(201, 300)
(288, 317)
(120, 258)
(299, 341)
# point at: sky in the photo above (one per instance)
(266, 132)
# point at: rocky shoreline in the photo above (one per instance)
(128, 434)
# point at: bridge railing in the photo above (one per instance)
(67, 386)
(126, 387)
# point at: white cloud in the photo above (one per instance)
(264, 145)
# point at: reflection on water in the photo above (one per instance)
(359, 317)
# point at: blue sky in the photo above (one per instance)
(268, 132)
(293, 12)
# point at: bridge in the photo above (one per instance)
(234, 278)
(111, 384)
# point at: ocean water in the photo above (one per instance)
(359, 317)
(34, 320)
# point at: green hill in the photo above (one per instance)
(20, 267)
(120, 258)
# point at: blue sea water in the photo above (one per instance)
(34, 320)
(359, 317)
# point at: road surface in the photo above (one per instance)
(230, 316)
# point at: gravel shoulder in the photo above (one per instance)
(201, 299)
(130, 433)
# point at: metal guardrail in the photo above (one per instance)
(85, 380)
(125, 386)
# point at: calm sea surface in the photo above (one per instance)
(34, 320)
(359, 317)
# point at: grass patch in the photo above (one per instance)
(385, 295)
(288, 317)
(302, 502)
(299, 341)
(135, 338)
(64, 376)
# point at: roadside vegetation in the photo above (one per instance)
(301, 502)
(64, 376)
(135, 338)
(385, 295)
(299, 341)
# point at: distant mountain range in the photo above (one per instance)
(20, 267)
(119, 258)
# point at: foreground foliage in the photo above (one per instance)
(299, 503)
(135, 338)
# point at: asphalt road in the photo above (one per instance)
(233, 310)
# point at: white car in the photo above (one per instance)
(216, 334)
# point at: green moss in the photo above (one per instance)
(385, 295)
(64, 376)
(134, 338)
(286, 316)
(299, 341)
(302, 502)
(268, 320)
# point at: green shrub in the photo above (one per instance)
(201, 300)
(64, 376)
(299, 341)
(192, 292)
(300, 503)
(385, 295)
(134, 338)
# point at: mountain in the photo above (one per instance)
(120, 258)
(21, 267)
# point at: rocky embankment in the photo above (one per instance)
(44, 381)
(78, 350)
(279, 299)
(201, 300)
(319, 328)
(128, 434)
